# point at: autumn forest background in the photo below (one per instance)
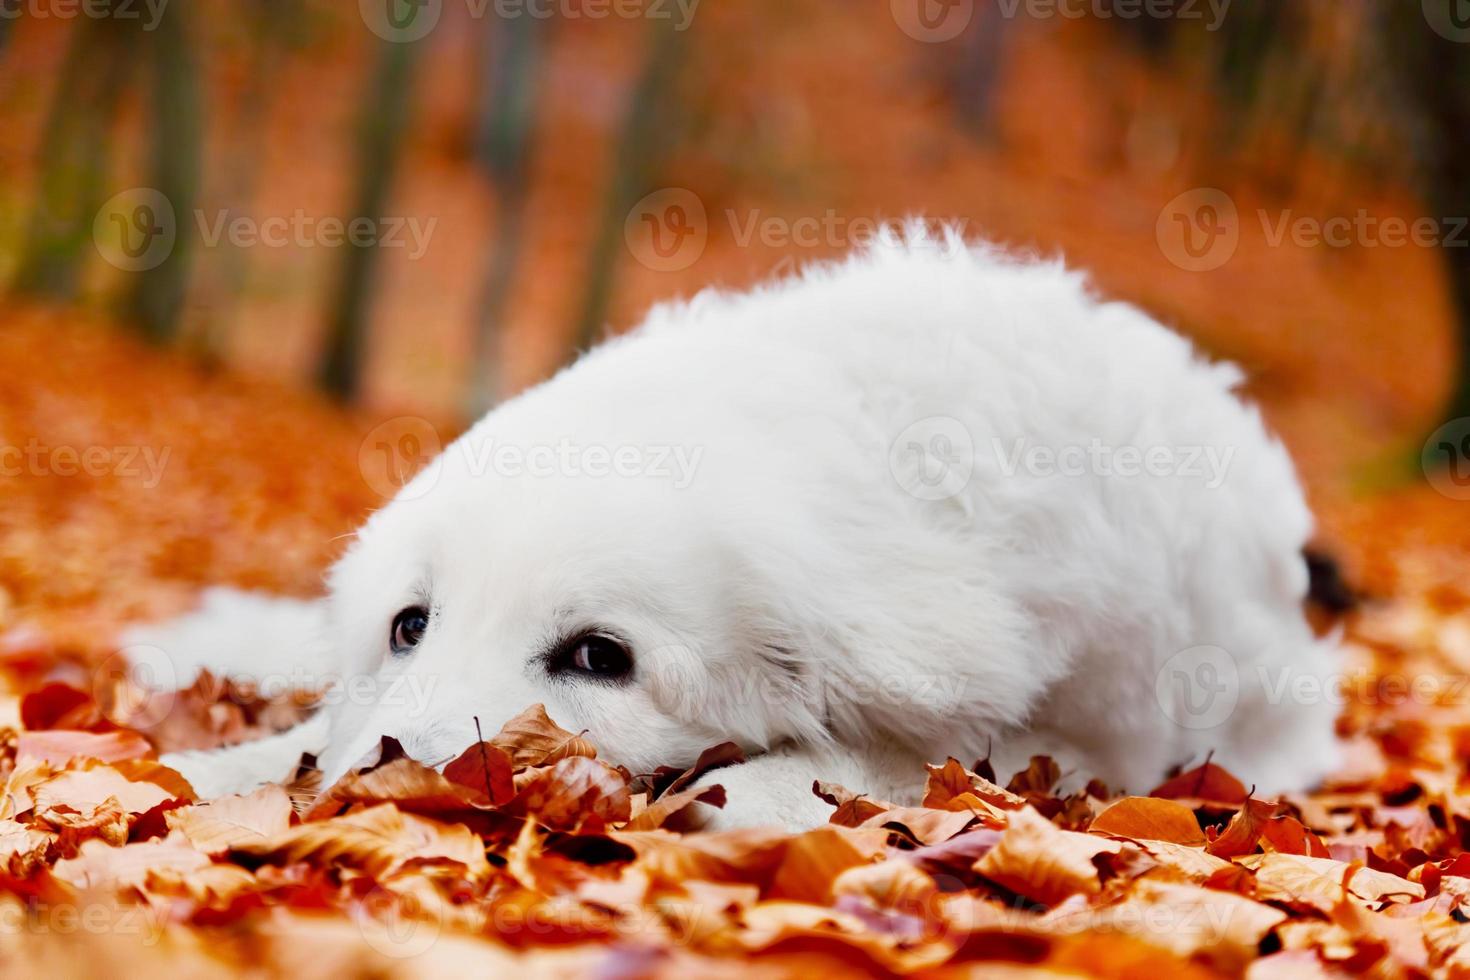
(242, 243)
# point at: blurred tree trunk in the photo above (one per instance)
(384, 121)
(505, 120)
(74, 154)
(1408, 78)
(975, 75)
(267, 22)
(157, 295)
(645, 140)
(1439, 79)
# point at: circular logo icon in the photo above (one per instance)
(396, 925)
(135, 230)
(933, 458)
(1450, 19)
(400, 21)
(667, 230)
(1446, 459)
(677, 686)
(135, 686)
(395, 452)
(1199, 230)
(1198, 688)
(932, 21)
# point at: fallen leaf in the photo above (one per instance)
(576, 793)
(1148, 818)
(1207, 782)
(1037, 861)
(486, 769)
(379, 841)
(98, 865)
(1322, 883)
(217, 825)
(531, 738)
(59, 746)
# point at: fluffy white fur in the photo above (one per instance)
(795, 596)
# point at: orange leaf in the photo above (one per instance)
(1287, 835)
(409, 784)
(813, 860)
(486, 769)
(531, 738)
(60, 745)
(1149, 818)
(1036, 860)
(578, 793)
(1206, 782)
(1243, 832)
(214, 827)
(953, 787)
(923, 825)
(58, 705)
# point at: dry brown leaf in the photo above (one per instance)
(1191, 922)
(23, 848)
(1036, 860)
(1320, 882)
(670, 805)
(59, 746)
(736, 856)
(813, 860)
(486, 769)
(217, 825)
(409, 784)
(214, 886)
(379, 841)
(853, 809)
(953, 787)
(1189, 863)
(98, 865)
(1148, 818)
(1243, 834)
(1207, 782)
(923, 825)
(85, 790)
(531, 738)
(578, 793)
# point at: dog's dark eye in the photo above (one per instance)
(408, 629)
(598, 655)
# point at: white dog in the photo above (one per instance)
(927, 501)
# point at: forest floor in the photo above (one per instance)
(143, 477)
(531, 855)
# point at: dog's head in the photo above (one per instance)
(618, 601)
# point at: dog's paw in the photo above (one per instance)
(238, 635)
(754, 799)
(248, 766)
